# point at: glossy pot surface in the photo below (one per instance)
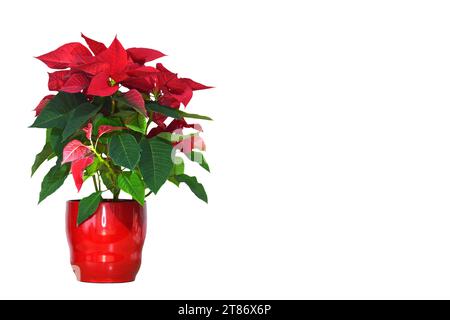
(107, 248)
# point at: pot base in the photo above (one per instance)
(100, 276)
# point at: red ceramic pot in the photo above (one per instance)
(107, 247)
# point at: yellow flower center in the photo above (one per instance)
(111, 82)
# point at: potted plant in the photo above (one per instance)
(119, 122)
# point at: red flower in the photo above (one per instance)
(102, 85)
(102, 71)
(174, 88)
(175, 91)
(112, 64)
(115, 64)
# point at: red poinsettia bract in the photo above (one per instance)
(101, 71)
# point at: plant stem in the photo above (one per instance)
(103, 161)
(95, 183)
(113, 106)
(108, 166)
(150, 119)
(149, 193)
(99, 181)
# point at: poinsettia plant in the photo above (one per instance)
(118, 121)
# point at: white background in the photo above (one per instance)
(329, 150)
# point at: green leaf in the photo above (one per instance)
(170, 136)
(156, 162)
(92, 168)
(124, 114)
(45, 154)
(195, 186)
(53, 180)
(178, 167)
(172, 112)
(193, 115)
(175, 137)
(199, 158)
(174, 181)
(136, 122)
(55, 113)
(78, 117)
(167, 111)
(101, 120)
(88, 206)
(54, 138)
(109, 180)
(124, 150)
(105, 102)
(131, 183)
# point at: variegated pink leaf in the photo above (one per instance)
(78, 167)
(105, 129)
(74, 150)
(88, 131)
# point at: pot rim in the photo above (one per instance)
(110, 201)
